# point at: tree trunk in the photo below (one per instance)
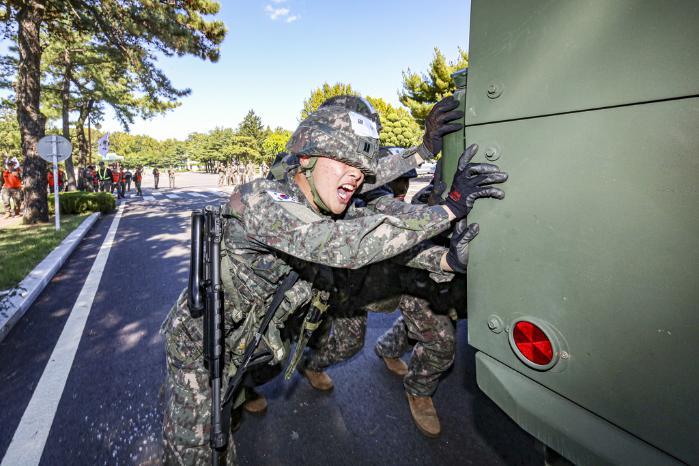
(31, 121)
(83, 146)
(65, 110)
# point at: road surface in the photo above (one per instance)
(80, 374)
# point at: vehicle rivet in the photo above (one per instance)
(564, 355)
(491, 154)
(495, 324)
(494, 91)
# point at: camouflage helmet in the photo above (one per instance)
(356, 104)
(337, 133)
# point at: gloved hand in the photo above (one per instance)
(472, 181)
(457, 257)
(438, 123)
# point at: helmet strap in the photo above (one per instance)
(308, 171)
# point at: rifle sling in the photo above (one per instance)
(235, 381)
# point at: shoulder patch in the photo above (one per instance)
(301, 212)
(281, 197)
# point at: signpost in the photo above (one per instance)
(55, 149)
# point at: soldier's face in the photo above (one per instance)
(336, 183)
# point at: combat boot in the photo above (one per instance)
(396, 365)
(256, 403)
(318, 380)
(424, 415)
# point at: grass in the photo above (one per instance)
(22, 247)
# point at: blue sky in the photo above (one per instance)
(276, 52)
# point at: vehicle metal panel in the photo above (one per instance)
(543, 57)
(599, 238)
(588, 440)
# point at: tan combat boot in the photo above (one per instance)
(396, 365)
(424, 415)
(318, 380)
(256, 404)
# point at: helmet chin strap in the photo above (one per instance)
(308, 171)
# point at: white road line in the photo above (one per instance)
(172, 196)
(148, 198)
(153, 193)
(29, 440)
(197, 194)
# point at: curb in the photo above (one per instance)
(14, 307)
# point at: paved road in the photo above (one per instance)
(108, 411)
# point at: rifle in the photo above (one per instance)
(206, 298)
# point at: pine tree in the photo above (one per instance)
(129, 30)
(421, 91)
(323, 93)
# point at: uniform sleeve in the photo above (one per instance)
(294, 229)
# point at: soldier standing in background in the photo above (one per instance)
(221, 170)
(171, 177)
(156, 177)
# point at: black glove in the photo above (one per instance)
(463, 233)
(471, 181)
(438, 123)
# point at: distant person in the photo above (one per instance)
(115, 178)
(221, 174)
(137, 178)
(12, 187)
(121, 184)
(95, 179)
(127, 178)
(104, 176)
(156, 177)
(171, 177)
(61, 179)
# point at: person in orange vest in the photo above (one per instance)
(61, 179)
(116, 177)
(137, 177)
(121, 183)
(12, 187)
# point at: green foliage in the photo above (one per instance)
(76, 202)
(275, 143)
(399, 128)
(9, 134)
(323, 93)
(421, 91)
(22, 247)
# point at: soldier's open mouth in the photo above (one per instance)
(344, 193)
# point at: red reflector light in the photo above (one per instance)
(532, 343)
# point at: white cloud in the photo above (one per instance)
(275, 13)
(284, 13)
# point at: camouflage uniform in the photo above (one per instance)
(270, 228)
(382, 290)
(434, 349)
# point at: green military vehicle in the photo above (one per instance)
(583, 287)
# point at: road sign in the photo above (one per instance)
(48, 146)
(55, 149)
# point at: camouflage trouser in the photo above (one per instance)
(186, 423)
(434, 348)
(15, 195)
(339, 339)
